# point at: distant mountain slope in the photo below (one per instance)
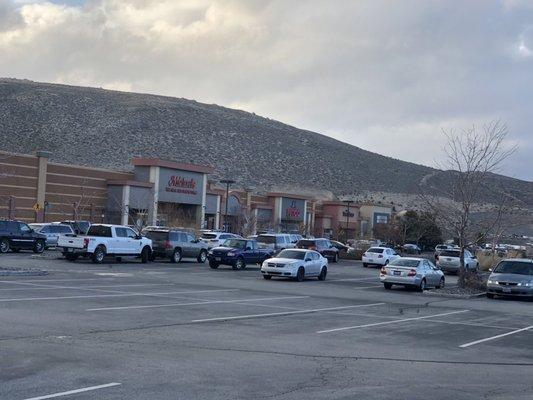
(105, 128)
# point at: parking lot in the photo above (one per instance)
(163, 331)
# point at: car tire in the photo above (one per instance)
(267, 277)
(4, 246)
(387, 285)
(442, 283)
(98, 255)
(365, 265)
(300, 275)
(71, 257)
(202, 257)
(213, 265)
(336, 258)
(146, 254)
(490, 295)
(323, 273)
(240, 264)
(176, 256)
(422, 285)
(38, 246)
(386, 262)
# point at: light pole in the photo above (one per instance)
(348, 202)
(227, 182)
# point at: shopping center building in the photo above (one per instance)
(161, 192)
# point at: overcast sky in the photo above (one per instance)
(386, 76)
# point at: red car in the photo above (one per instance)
(323, 246)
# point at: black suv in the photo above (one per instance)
(16, 235)
(323, 246)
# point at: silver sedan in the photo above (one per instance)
(511, 277)
(412, 272)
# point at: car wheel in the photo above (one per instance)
(386, 262)
(240, 264)
(71, 257)
(98, 255)
(387, 285)
(365, 265)
(213, 265)
(490, 295)
(38, 247)
(300, 275)
(118, 259)
(146, 254)
(176, 256)
(422, 285)
(323, 273)
(336, 258)
(4, 246)
(267, 277)
(202, 257)
(442, 283)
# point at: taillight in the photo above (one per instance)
(85, 242)
(412, 272)
(383, 271)
(168, 245)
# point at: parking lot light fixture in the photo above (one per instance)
(227, 182)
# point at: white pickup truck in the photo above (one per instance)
(106, 240)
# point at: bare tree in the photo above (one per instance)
(472, 156)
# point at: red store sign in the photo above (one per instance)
(178, 184)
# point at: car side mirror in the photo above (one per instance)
(307, 259)
(138, 237)
(248, 248)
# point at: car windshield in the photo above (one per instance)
(209, 236)
(293, 254)
(405, 262)
(442, 247)
(157, 235)
(374, 250)
(266, 239)
(514, 267)
(306, 243)
(450, 253)
(235, 243)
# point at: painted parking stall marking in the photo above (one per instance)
(75, 391)
(196, 303)
(527, 328)
(280, 314)
(345, 328)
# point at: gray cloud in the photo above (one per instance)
(385, 76)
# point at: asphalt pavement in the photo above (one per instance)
(183, 331)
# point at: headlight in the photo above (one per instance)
(210, 252)
(490, 282)
(231, 254)
(526, 284)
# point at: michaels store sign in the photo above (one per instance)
(176, 186)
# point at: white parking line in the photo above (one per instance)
(283, 313)
(112, 295)
(390, 322)
(82, 390)
(44, 287)
(496, 337)
(58, 280)
(195, 303)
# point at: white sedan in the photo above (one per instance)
(297, 264)
(379, 256)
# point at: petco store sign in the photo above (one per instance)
(292, 209)
(177, 186)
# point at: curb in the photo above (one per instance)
(455, 296)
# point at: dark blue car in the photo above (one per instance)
(238, 253)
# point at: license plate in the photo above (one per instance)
(506, 290)
(218, 259)
(397, 272)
